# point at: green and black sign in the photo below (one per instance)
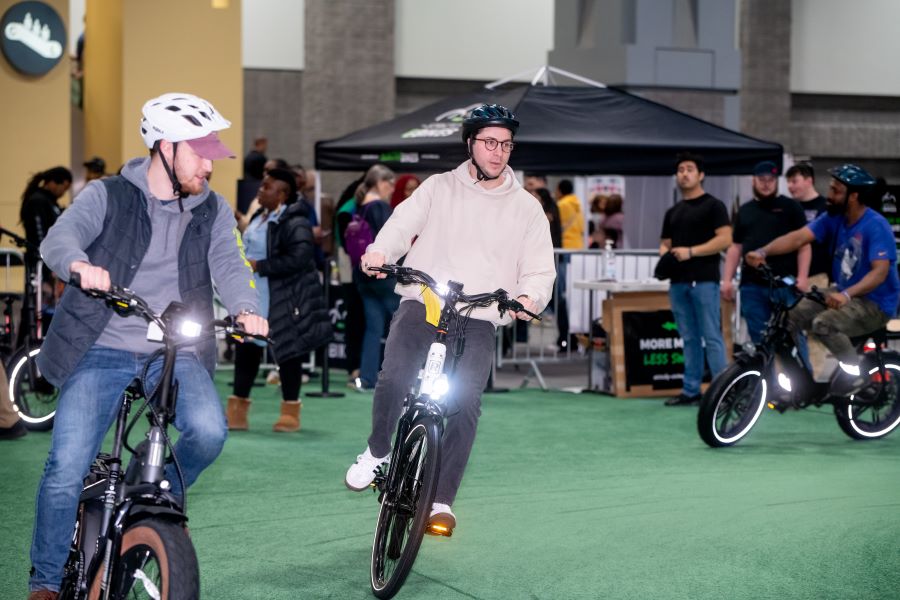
(653, 350)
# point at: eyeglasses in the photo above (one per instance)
(491, 144)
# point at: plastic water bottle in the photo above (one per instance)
(609, 262)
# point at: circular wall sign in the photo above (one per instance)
(33, 37)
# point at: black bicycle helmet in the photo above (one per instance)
(488, 115)
(853, 176)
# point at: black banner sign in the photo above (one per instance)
(337, 349)
(653, 350)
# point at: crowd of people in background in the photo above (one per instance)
(695, 231)
(369, 303)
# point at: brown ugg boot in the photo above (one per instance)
(290, 417)
(236, 413)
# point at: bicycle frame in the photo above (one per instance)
(424, 400)
(777, 343)
(126, 497)
(142, 490)
(408, 486)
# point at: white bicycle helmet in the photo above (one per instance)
(178, 117)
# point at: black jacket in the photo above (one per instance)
(39, 214)
(298, 316)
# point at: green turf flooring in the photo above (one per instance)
(566, 496)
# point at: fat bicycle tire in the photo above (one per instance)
(33, 396)
(157, 560)
(732, 404)
(874, 412)
(405, 508)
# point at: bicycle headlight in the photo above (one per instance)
(190, 328)
(784, 381)
(440, 388)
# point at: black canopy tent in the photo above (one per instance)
(565, 130)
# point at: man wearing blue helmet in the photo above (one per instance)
(864, 270)
(475, 224)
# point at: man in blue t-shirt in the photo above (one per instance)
(864, 270)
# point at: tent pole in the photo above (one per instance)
(499, 82)
(577, 77)
(541, 74)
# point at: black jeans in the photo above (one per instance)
(407, 346)
(247, 357)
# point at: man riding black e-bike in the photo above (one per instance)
(864, 271)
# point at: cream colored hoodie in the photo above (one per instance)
(484, 239)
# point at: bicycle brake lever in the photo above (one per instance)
(233, 329)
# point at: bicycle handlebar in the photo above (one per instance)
(789, 281)
(18, 239)
(453, 292)
(125, 302)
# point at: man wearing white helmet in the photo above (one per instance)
(159, 230)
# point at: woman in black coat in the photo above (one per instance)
(289, 287)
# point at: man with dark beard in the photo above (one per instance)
(864, 270)
(757, 223)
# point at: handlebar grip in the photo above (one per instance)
(234, 328)
(75, 279)
(516, 306)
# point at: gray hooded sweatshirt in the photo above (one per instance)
(156, 279)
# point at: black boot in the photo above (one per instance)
(16, 431)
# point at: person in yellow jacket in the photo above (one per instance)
(570, 216)
(571, 219)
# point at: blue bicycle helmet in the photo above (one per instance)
(852, 176)
(488, 115)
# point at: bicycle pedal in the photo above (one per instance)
(440, 524)
(781, 407)
(436, 529)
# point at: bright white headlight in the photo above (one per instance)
(191, 329)
(442, 289)
(440, 388)
(784, 381)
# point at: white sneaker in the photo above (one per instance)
(437, 507)
(441, 521)
(361, 474)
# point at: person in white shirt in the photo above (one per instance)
(476, 225)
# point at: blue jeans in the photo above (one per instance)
(88, 404)
(699, 318)
(756, 308)
(380, 302)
